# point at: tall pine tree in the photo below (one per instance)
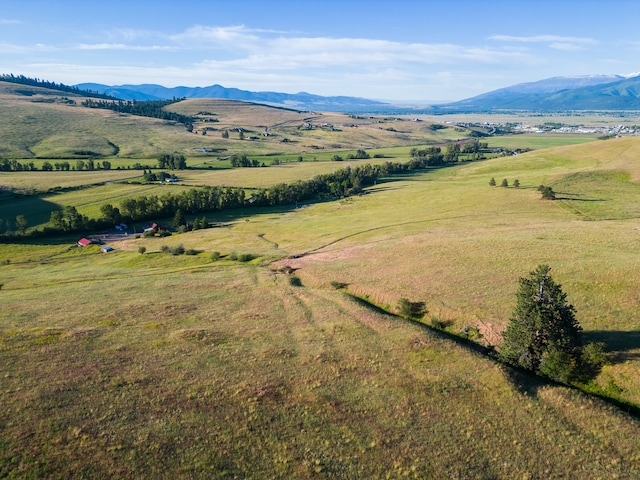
(543, 334)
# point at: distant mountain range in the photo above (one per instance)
(592, 92)
(297, 101)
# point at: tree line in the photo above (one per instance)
(146, 108)
(35, 82)
(342, 183)
(7, 165)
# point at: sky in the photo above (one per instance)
(393, 50)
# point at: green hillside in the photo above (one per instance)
(243, 359)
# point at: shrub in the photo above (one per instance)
(215, 256)
(233, 256)
(492, 182)
(245, 257)
(179, 250)
(593, 357)
(438, 323)
(192, 251)
(149, 233)
(516, 183)
(505, 183)
(164, 249)
(413, 310)
(142, 249)
(295, 281)
(547, 192)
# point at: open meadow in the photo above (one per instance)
(273, 349)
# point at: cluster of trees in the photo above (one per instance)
(35, 82)
(474, 146)
(427, 156)
(150, 176)
(172, 162)
(243, 161)
(435, 155)
(547, 192)
(70, 220)
(147, 108)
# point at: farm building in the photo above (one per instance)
(106, 249)
(84, 242)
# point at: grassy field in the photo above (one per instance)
(129, 365)
(169, 366)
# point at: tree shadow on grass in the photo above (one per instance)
(621, 345)
(523, 381)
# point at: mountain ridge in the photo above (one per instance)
(300, 101)
(588, 92)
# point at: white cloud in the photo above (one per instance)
(232, 37)
(122, 46)
(557, 42)
(13, 49)
(253, 59)
(8, 21)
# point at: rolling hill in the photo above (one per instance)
(290, 363)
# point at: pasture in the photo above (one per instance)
(172, 366)
(243, 360)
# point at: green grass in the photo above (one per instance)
(181, 371)
(127, 365)
(538, 141)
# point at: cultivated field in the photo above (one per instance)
(149, 364)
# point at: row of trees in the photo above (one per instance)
(7, 165)
(147, 108)
(342, 183)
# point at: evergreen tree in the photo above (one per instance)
(178, 219)
(543, 334)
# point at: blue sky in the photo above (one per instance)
(395, 50)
